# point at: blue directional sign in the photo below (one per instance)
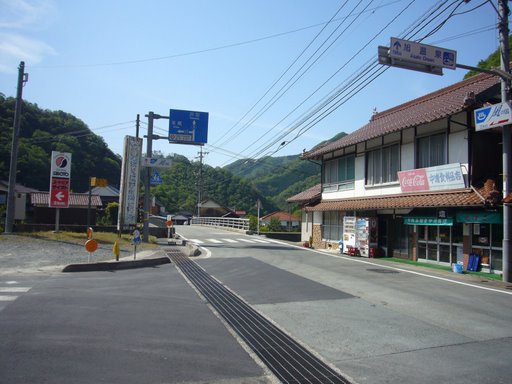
(188, 127)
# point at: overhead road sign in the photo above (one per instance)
(493, 116)
(156, 162)
(411, 51)
(188, 127)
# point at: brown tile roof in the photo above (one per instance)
(459, 198)
(76, 200)
(433, 106)
(283, 216)
(313, 193)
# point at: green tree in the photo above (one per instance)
(275, 225)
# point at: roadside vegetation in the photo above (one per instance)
(105, 238)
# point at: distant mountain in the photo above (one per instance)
(278, 178)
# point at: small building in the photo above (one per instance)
(286, 220)
(309, 197)
(108, 194)
(210, 208)
(21, 206)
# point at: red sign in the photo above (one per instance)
(414, 180)
(59, 193)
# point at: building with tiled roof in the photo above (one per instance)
(417, 181)
(75, 214)
(309, 197)
(286, 220)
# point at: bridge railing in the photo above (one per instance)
(224, 222)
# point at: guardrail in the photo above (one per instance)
(225, 222)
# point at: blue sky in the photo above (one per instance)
(105, 61)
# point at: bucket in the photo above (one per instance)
(457, 268)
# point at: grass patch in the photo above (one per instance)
(484, 275)
(107, 238)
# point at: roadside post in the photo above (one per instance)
(91, 245)
(136, 241)
(116, 250)
(169, 226)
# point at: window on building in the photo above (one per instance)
(332, 226)
(432, 151)
(382, 165)
(339, 171)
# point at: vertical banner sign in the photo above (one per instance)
(129, 193)
(60, 178)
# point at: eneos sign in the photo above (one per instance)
(60, 178)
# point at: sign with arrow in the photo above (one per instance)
(60, 177)
(156, 162)
(188, 127)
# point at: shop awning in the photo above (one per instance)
(458, 198)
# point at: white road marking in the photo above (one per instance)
(8, 298)
(230, 240)
(196, 241)
(14, 289)
(247, 241)
(214, 241)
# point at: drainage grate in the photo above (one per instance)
(285, 357)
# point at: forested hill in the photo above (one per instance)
(44, 131)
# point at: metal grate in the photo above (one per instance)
(284, 356)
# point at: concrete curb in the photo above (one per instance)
(118, 265)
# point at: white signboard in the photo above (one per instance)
(156, 162)
(492, 116)
(421, 53)
(129, 193)
(448, 176)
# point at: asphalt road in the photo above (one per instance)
(376, 324)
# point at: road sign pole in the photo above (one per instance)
(147, 181)
(11, 193)
(507, 145)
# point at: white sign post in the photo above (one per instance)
(129, 193)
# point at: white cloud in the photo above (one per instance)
(15, 48)
(21, 14)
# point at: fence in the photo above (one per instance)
(225, 222)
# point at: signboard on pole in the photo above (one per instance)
(156, 162)
(493, 116)
(129, 193)
(60, 176)
(188, 127)
(411, 51)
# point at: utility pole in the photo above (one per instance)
(147, 184)
(506, 136)
(137, 126)
(11, 193)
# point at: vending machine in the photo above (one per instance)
(349, 233)
(360, 236)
